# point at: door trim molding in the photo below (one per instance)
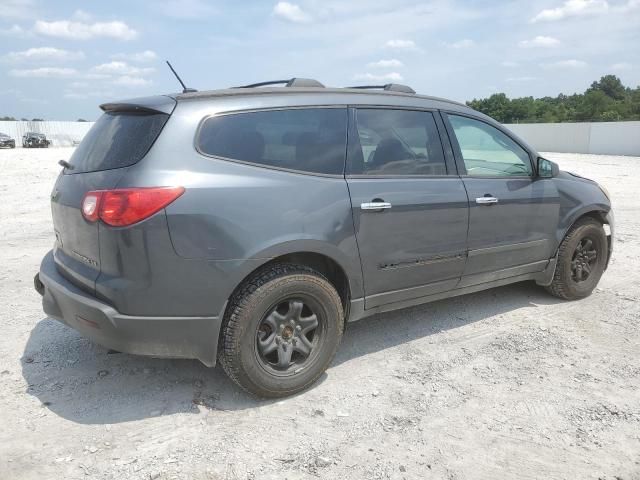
(422, 261)
(479, 278)
(393, 296)
(357, 309)
(506, 248)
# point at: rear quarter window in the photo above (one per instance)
(116, 140)
(310, 140)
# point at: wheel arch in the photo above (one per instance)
(336, 272)
(600, 214)
(596, 211)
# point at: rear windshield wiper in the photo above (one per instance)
(65, 164)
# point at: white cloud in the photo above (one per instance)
(74, 30)
(120, 68)
(146, 56)
(392, 63)
(20, 97)
(83, 95)
(566, 64)
(401, 44)
(509, 64)
(540, 41)
(291, 12)
(572, 8)
(76, 95)
(82, 16)
(96, 76)
(627, 7)
(45, 53)
(392, 77)
(44, 72)
(520, 79)
(131, 81)
(14, 31)
(16, 8)
(621, 66)
(121, 74)
(465, 43)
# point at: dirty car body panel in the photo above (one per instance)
(161, 286)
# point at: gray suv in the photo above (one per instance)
(249, 225)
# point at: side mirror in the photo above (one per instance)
(547, 168)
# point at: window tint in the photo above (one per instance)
(396, 142)
(487, 151)
(312, 140)
(116, 140)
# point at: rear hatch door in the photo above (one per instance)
(120, 138)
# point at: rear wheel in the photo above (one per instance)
(281, 330)
(582, 258)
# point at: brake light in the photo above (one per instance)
(126, 206)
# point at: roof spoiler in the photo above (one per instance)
(156, 104)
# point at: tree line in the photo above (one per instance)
(606, 100)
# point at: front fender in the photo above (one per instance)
(567, 221)
(578, 197)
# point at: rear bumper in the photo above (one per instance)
(167, 337)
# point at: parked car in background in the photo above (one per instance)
(6, 141)
(35, 140)
(248, 225)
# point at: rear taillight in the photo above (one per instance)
(90, 206)
(126, 206)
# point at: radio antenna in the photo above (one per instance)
(185, 89)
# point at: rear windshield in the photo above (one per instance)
(118, 139)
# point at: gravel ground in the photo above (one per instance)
(506, 383)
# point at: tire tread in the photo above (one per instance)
(558, 286)
(232, 326)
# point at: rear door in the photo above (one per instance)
(513, 214)
(120, 138)
(409, 206)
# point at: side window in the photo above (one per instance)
(396, 142)
(312, 140)
(487, 151)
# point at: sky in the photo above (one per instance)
(60, 60)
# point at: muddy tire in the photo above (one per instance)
(582, 258)
(281, 330)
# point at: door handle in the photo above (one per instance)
(486, 200)
(375, 206)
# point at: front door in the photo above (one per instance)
(513, 214)
(410, 208)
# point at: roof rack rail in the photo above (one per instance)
(389, 87)
(292, 82)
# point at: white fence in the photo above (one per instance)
(61, 134)
(607, 138)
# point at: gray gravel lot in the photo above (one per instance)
(507, 383)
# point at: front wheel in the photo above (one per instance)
(582, 258)
(281, 331)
